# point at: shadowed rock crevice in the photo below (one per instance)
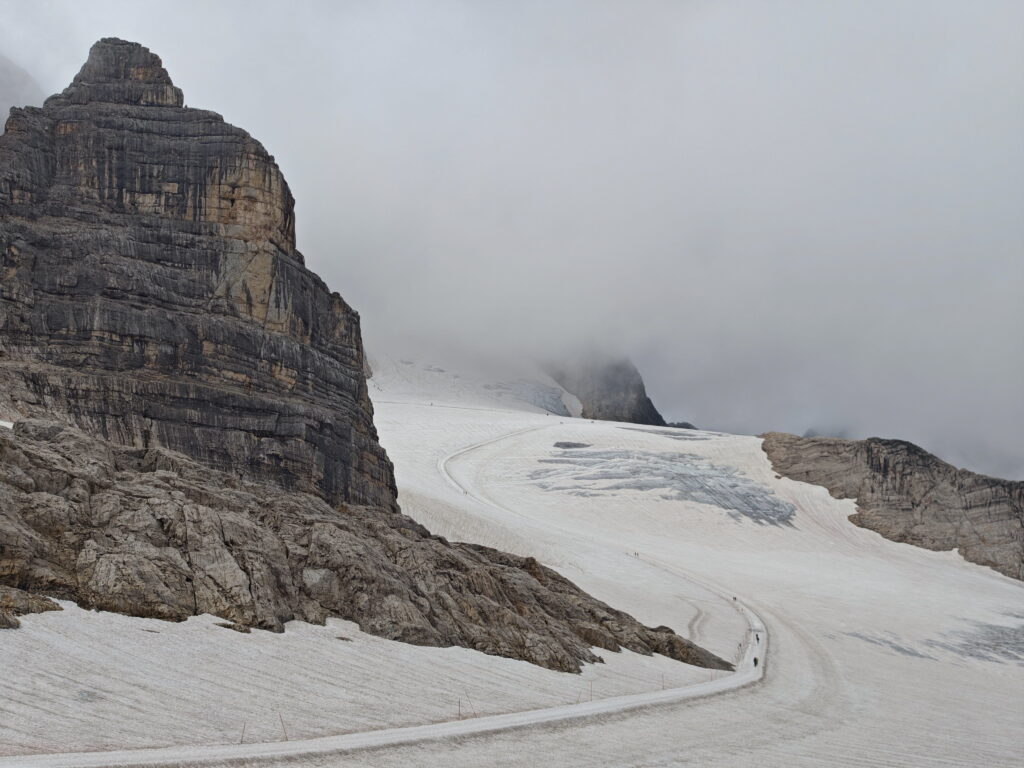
(908, 495)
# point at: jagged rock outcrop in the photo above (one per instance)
(149, 532)
(609, 388)
(908, 495)
(208, 443)
(17, 602)
(17, 88)
(152, 292)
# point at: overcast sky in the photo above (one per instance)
(791, 215)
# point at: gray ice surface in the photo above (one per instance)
(989, 642)
(998, 643)
(891, 642)
(674, 433)
(592, 472)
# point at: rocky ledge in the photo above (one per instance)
(150, 532)
(908, 495)
(18, 602)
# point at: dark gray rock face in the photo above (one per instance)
(149, 532)
(908, 495)
(609, 388)
(152, 292)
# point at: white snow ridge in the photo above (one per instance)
(868, 652)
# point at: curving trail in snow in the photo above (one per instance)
(882, 654)
(750, 668)
(332, 747)
(755, 627)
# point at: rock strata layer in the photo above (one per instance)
(908, 495)
(608, 388)
(152, 292)
(149, 532)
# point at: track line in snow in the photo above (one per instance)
(747, 673)
(442, 465)
(171, 757)
(754, 623)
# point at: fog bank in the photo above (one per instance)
(792, 215)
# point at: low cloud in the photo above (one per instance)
(793, 216)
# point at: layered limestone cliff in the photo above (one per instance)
(609, 388)
(152, 292)
(908, 495)
(206, 442)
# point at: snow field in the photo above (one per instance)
(883, 654)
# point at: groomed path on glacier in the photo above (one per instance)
(755, 647)
(882, 654)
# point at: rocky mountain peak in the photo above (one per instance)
(121, 72)
(207, 442)
(153, 293)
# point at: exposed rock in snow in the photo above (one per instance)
(16, 602)
(908, 495)
(148, 532)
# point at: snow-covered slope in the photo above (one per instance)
(881, 653)
(517, 385)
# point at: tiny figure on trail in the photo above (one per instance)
(757, 638)
(755, 661)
